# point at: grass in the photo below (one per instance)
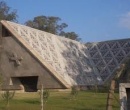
(60, 101)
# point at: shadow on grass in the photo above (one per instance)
(31, 101)
(74, 108)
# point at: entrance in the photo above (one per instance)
(29, 83)
(128, 98)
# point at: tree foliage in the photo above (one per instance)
(46, 95)
(125, 75)
(74, 92)
(48, 24)
(51, 24)
(71, 35)
(6, 13)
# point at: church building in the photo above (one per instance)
(30, 58)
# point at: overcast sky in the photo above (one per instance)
(92, 20)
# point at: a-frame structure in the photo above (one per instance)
(57, 62)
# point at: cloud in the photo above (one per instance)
(125, 20)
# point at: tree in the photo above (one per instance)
(126, 72)
(117, 76)
(7, 96)
(48, 24)
(1, 80)
(44, 95)
(70, 35)
(41, 96)
(74, 92)
(6, 13)
(51, 24)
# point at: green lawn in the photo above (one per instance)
(60, 101)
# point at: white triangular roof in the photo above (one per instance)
(67, 59)
(72, 62)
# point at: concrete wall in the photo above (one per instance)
(29, 65)
(124, 91)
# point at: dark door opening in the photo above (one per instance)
(29, 83)
(128, 98)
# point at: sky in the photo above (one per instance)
(92, 20)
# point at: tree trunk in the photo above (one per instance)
(110, 96)
(42, 97)
(7, 106)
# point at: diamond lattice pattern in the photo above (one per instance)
(67, 57)
(77, 63)
(107, 56)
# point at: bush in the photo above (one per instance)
(74, 92)
(7, 96)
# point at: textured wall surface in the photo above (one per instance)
(29, 66)
(124, 90)
(69, 58)
(107, 56)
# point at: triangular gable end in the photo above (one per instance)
(34, 53)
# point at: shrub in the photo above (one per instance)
(7, 96)
(74, 92)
